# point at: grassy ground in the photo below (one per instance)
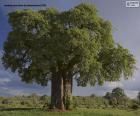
(80, 112)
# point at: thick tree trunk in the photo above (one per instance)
(61, 92)
(53, 93)
(68, 92)
(57, 93)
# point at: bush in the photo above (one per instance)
(135, 106)
(93, 95)
(6, 101)
(44, 98)
(27, 103)
(46, 106)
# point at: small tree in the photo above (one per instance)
(118, 92)
(117, 97)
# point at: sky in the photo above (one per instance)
(126, 31)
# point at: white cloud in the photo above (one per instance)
(131, 94)
(1, 53)
(13, 92)
(4, 81)
(112, 85)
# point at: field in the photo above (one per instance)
(82, 106)
(80, 112)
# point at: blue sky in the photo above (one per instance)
(126, 31)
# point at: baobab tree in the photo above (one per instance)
(49, 45)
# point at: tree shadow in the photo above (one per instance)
(17, 109)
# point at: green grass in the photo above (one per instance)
(80, 112)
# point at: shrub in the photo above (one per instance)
(92, 95)
(6, 101)
(135, 106)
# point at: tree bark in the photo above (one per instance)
(57, 93)
(53, 92)
(61, 92)
(68, 92)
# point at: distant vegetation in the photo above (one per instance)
(116, 99)
(114, 103)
